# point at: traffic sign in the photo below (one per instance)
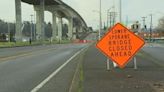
(120, 44)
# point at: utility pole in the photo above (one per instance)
(144, 25)
(151, 26)
(114, 17)
(110, 19)
(109, 16)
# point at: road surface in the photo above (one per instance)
(147, 78)
(156, 51)
(23, 68)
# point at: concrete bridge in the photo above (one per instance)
(76, 25)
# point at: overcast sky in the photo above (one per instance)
(132, 9)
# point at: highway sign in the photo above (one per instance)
(120, 44)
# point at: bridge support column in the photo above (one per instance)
(54, 26)
(81, 31)
(74, 33)
(39, 22)
(60, 29)
(39, 25)
(18, 28)
(70, 28)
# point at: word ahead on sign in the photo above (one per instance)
(120, 44)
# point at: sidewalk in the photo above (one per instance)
(98, 79)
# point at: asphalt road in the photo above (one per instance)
(156, 51)
(23, 68)
(5, 52)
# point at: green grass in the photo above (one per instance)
(80, 89)
(81, 79)
(140, 53)
(81, 72)
(7, 44)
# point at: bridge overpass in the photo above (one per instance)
(76, 24)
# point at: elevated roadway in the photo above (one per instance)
(77, 27)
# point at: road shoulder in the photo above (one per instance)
(98, 79)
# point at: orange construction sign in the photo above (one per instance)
(120, 44)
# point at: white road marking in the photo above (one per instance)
(55, 72)
(23, 54)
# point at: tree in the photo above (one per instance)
(27, 29)
(65, 30)
(4, 29)
(48, 30)
(160, 27)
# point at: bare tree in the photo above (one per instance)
(160, 27)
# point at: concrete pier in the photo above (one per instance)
(54, 26)
(60, 28)
(70, 28)
(18, 14)
(40, 22)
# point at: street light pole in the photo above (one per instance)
(120, 10)
(107, 18)
(151, 25)
(100, 25)
(42, 4)
(8, 25)
(34, 26)
(31, 27)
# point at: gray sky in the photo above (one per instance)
(134, 9)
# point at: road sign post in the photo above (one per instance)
(108, 64)
(120, 44)
(135, 63)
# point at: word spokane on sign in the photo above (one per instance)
(120, 44)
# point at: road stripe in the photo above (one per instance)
(55, 72)
(23, 54)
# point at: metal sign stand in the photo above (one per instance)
(135, 63)
(108, 64)
(115, 65)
